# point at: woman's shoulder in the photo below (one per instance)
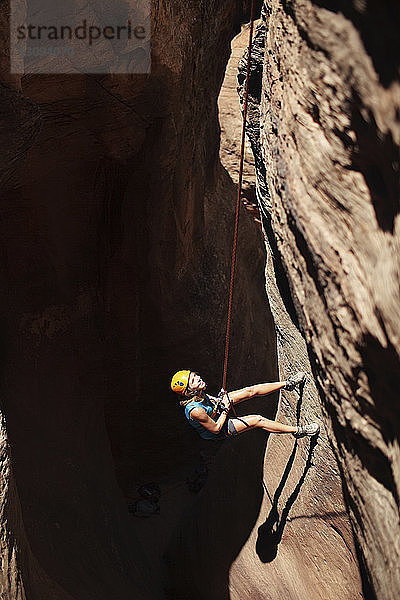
(195, 408)
(193, 402)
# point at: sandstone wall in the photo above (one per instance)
(327, 149)
(116, 237)
(115, 246)
(271, 521)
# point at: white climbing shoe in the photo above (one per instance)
(303, 430)
(295, 380)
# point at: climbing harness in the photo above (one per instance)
(220, 406)
(239, 192)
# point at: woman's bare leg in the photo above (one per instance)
(261, 389)
(258, 422)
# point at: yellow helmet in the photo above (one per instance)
(180, 382)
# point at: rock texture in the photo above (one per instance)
(114, 263)
(326, 133)
(230, 120)
(116, 229)
(271, 522)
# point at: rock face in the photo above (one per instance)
(116, 237)
(326, 130)
(114, 263)
(271, 521)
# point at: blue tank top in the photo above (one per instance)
(209, 404)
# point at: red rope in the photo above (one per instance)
(239, 193)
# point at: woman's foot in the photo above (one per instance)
(303, 430)
(294, 381)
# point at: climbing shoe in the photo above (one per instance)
(303, 430)
(295, 380)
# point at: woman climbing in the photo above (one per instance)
(209, 415)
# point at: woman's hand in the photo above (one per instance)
(226, 404)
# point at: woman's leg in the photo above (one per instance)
(258, 422)
(261, 389)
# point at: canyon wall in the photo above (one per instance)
(325, 130)
(271, 521)
(116, 235)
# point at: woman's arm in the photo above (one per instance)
(200, 415)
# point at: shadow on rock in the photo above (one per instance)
(270, 533)
(300, 401)
(217, 524)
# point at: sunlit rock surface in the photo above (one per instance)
(326, 132)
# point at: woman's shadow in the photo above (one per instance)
(270, 533)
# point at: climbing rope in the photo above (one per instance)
(239, 193)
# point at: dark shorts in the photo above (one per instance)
(228, 429)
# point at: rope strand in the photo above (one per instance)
(239, 193)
